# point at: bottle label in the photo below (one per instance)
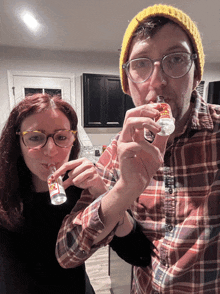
(103, 148)
(53, 188)
(166, 112)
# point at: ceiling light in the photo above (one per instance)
(30, 21)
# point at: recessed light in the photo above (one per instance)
(30, 21)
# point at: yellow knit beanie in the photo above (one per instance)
(176, 16)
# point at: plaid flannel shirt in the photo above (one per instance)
(179, 212)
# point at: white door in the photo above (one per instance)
(32, 83)
(21, 83)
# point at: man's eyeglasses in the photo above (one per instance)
(174, 65)
(37, 139)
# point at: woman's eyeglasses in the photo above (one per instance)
(37, 139)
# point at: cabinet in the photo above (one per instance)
(105, 104)
(214, 92)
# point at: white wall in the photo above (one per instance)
(23, 59)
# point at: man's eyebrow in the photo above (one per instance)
(145, 52)
(177, 47)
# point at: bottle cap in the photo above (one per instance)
(160, 99)
(52, 168)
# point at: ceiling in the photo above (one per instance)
(96, 25)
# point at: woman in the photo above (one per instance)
(29, 223)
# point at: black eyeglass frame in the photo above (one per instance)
(47, 136)
(125, 66)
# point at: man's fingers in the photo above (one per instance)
(161, 142)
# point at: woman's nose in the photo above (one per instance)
(50, 149)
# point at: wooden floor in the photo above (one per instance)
(97, 270)
(97, 267)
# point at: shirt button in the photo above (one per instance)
(170, 228)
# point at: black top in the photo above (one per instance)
(135, 248)
(27, 259)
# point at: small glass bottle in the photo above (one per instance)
(166, 119)
(103, 148)
(56, 190)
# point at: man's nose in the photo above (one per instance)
(50, 149)
(157, 79)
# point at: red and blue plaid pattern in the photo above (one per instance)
(179, 212)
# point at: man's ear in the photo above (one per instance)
(128, 91)
(196, 79)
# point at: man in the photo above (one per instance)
(171, 187)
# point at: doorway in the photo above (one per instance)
(21, 83)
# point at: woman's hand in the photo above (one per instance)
(83, 174)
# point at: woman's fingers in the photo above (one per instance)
(81, 181)
(77, 165)
(83, 174)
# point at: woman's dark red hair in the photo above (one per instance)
(15, 179)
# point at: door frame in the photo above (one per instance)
(12, 73)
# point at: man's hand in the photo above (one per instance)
(139, 160)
